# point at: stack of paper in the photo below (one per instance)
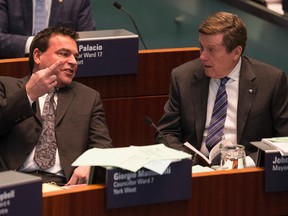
(279, 143)
(154, 157)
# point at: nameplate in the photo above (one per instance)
(124, 188)
(276, 172)
(276, 167)
(20, 194)
(107, 52)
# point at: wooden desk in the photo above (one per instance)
(237, 192)
(128, 98)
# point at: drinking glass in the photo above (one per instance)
(233, 157)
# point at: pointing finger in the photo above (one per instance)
(56, 65)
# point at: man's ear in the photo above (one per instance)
(237, 52)
(37, 55)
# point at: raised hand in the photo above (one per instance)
(43, 80)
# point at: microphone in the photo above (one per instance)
(149, 122)
(119, 6)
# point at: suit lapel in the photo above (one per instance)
(65, 97)
(21, 83)
(38, 112)
(247, 90)
(200, 89)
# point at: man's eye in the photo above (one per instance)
(65, 54)
(211, 50)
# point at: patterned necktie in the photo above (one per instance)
(216, 127)
(45, 149)
(40, 16)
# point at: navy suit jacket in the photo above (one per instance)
(80, 123)
(16, 22)
(262, 104)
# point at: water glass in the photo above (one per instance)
(233, 157)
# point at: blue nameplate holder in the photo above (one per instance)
(276, 167)
(107, 52)
(125, 188)
(276, 172)
(20, 194)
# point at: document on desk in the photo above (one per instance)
(154, 157)
(279, 143)
(49, 187)
(199, 169)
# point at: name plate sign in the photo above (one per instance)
(276, 172)
(20, 194)
(107, 52)
(125, 188)
(276, 167)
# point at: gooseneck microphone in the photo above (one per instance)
(119, 6)
(149, 122)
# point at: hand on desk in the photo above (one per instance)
(80, 176)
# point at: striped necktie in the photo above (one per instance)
(40, 16)
(216, 127)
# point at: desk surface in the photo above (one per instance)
(236, 192)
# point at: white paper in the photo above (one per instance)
(48, 187)
(154, 157)
(158, 166)
(280, 143)
(199, 168)
(187, 144)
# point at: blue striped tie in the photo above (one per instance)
(40, 16)
(216, 127)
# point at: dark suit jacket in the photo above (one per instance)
(16, 21)
(80, 123)
(262, 104)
